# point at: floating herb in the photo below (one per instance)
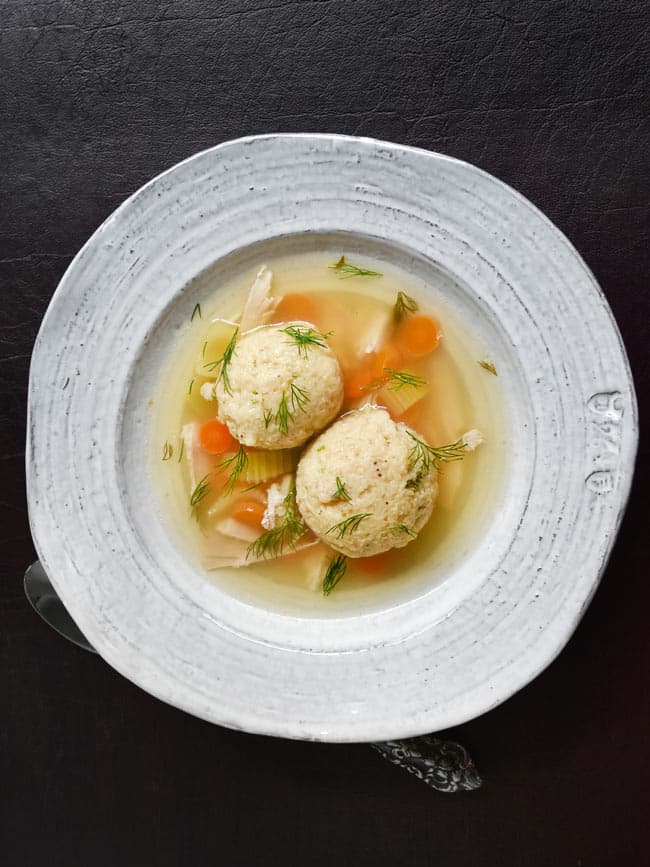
(268, 418)
(236, 466)
(425, 456)
(196, 312)
(487, 365)
(290, 529)
(341, 492)
(205, 346)
(399, 378)
(182, 451)
(404, 305)
(252, 487)
(395, 380)
(304, 338)
(345, 269)
(200, 492)
(189, 390)
(223, 363)
(349, 525)
(402, 528)
(168, 451)
(333, 574)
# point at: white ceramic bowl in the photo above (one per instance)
(423, 663)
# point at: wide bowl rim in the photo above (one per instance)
(376, 729)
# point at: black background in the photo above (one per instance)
(96, 98)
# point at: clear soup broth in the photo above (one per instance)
(461, 393)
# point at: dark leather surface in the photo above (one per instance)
(98, 97)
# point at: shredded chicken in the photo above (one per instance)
(260, 304)
(275, 502)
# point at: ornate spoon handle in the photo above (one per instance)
(444, 765)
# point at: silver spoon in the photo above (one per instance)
(444, 765)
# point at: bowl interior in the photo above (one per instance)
(448, 573)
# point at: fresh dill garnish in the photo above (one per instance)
(205, 346)
(298, 397)
(341, 492)
(285, 413)
(400, 378)
(395, 380)
(182, 451)
(290, 529)
(195, 312)
(305, 338)
(223, 362)
(425, 456)
(487, 365)
(252, 487)
(168, 451)
(189, 390)
(348, 525)
(236, 466)
(333, 574)
(414, 483)
(402, 528)
(199, 492)
(345, 269)
(404, 305)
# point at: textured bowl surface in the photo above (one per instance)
(418, 666)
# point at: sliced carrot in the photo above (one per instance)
(409, 416)
(387, 356)
(249, 512)
(417, 335)
(215, 438)
(358, 381)
(296, 307)
(374, 565)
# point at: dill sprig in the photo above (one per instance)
(425, 456)
(236, 465)
(196, 312)
(349, 525)
(341, 492)
(200, 492)
(182, 451)
(304, 338)
(404, 305)
(223, 362)
(402, 528)
(168, 451)
(287, 408)
(290, 529)
(345, 269)
(395, 380)
(333, 574)
(189, 390)
(399, 378)
(487, 365)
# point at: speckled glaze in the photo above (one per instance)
(418, 666)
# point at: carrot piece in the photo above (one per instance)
(357, 382)
(295, 307)
(417, 335)
(215, 438)
(375, 565)
(387, 356)
(249, 512)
